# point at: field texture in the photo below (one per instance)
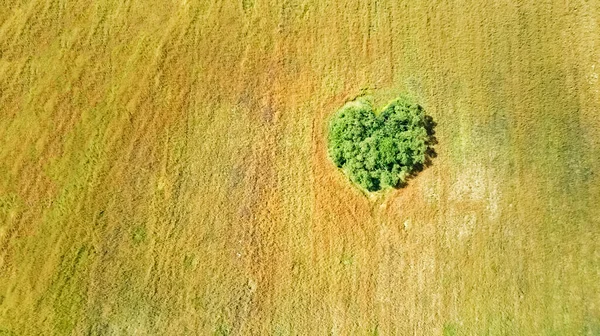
(164, 170)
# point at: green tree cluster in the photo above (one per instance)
(379, 151)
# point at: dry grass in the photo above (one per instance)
(163, 169)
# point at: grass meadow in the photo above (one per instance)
(164, 169)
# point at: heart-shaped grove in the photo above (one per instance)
(382, 150)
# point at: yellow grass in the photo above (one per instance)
(163, 169)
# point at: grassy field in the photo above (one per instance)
(163, 168)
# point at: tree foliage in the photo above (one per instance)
(380, 151)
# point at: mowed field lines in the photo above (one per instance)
(163, 169)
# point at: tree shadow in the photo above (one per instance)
(430, 152)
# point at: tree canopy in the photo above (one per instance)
(379, 151)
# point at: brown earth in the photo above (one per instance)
(163, 169)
